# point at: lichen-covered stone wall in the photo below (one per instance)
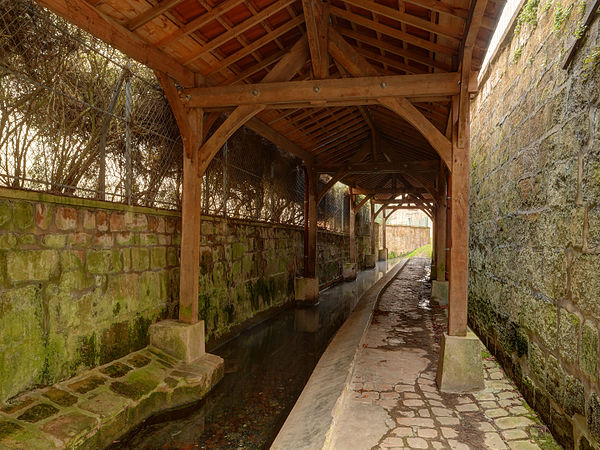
(402, 239)
(82, 280)
(535, 216)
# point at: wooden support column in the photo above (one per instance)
(310, 270)
(440, 230)
(372, 236)
(352, 231)
(190, 123)
(459, 219)
(190, 228)
(383, 232)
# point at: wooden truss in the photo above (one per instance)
(373, 93)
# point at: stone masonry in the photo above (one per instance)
(81, 280)
(535, 216)
(402, 239)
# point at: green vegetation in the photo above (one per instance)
(560, 16)
(527, 15)
(517, 53)
(421, 252)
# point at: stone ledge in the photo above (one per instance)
(97, 407)
(309, 423)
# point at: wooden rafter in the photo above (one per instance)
(82, 14)
(358, 66)
(316, 15)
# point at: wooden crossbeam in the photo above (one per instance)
(240, 28)
(316, 15)
(392, 32)
(380, 167)
(356, 65)
(198, 22)
(362, 202)
(344, 89)
(452, 33)
(151, 14)
(88, 18)
(285, 69)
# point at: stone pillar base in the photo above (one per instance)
(370, 260)
(383, 254)
(306, 291)
(182, 340)
(460, 367)
(439, 292)
(349, 272)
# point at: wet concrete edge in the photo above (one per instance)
(312, 419)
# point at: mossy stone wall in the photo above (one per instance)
(535, 217)
(82, 280)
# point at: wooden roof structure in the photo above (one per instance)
(372, 84)
(374, 93)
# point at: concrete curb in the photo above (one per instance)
(311, 421)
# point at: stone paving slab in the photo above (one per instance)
(394, 403)
(95, 408)
(310, 421)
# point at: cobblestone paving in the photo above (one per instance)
(394, 401)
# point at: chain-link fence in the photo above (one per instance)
(81, 119)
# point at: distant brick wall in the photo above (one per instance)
(535, 218)
(402, 239)
(82, 280)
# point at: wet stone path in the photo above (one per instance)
(394, 401)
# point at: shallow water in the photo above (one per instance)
(266, 368)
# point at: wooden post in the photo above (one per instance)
(440, 230)
(459, 219)
(352, 231)
(434, 225)
(306, 201)
(383, 236)
(190, 223)
(310, 271)
(372, 236)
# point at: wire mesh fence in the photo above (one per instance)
(81, 119)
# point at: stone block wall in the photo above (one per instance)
(535, 217)
(80, 282)
(402, 239)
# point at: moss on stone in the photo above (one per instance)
(87, 351)
(23, 216)
(588, 359)
(87, 384)
(8, 428)
(114, 343)
(139, 360)
(38, 412)
(116, 370)
(60, 397)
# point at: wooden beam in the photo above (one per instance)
(380, 167)
(310, 271)
(392, 31)
(240, 28)
(452, 33)
(459, 234)
(190, 125)
(352, 228)
(412, 115)
(151, 14)
(199, 22)
(316, 15)
(269, 133)
(89, 19)
(358, 66)
(396, 191)
(362, 202)
(359, 88)
(285, 69)
(341, 172)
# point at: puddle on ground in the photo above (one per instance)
(266, 369)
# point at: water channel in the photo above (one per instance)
(266, 368)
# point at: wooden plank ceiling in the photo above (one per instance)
(236, 42)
